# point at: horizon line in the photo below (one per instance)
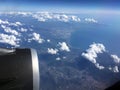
(82, 11)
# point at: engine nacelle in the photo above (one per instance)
(19, 69)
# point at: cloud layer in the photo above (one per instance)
(46, 16)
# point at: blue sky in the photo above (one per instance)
(58, 5)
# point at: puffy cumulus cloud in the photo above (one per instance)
(67, 18)
(39, 18)
(115, 69)
(10, 23)
(4, 22)
(16, 24)
(110, 68)
(64, 46)
(37, 38)
(91, 20)
(63, 18)
(9, 39)
(52, 51)
(58, 58)
(75, 18)
(44, 16)
(48, 40)
(91, 53)
(116, 58)
(9, 30)
(99, 66)
(23, 30)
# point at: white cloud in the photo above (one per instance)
(9, 39)
(48, 40)
(52, 51)
(37, 38)
(5, 22)
(44, 16)
(9, 30)
(91, 20)
(110, 68)
(58, 58)
(64, 46)
(115, 69)
(75, 18)
(18, 23)
(116, 58)
(64, 57)
(17, 13)
(39, 18)
(15, 24)
(63, 18)
(66, 18)
(91, 53)
(99, 66)
(23, 30)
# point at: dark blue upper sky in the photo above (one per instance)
(97, 1)
(58, 5)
